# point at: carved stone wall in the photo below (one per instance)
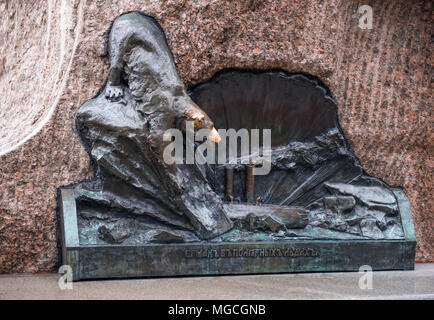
(50, 64)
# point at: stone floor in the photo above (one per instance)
(418, 284)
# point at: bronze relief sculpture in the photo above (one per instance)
(142, 216)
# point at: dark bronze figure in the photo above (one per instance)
(124, 127)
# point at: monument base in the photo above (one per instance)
(208, 258)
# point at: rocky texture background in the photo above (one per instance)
(52, 60)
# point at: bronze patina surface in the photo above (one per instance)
(316, 210)
(99, 261)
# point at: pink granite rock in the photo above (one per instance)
(52, 60)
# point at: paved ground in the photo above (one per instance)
(418, 284)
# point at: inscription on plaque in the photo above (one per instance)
(250, 253)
